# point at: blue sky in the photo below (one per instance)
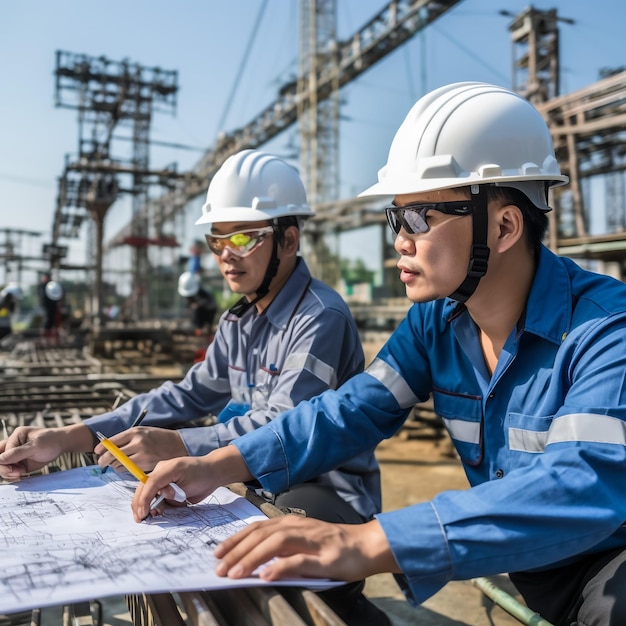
(205, 41)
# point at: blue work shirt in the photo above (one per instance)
(257, 366)
(542, 440)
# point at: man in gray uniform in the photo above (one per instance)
(289, 338)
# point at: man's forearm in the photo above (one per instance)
(80, 438)
(230, 465)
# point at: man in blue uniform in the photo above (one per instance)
(524, 354)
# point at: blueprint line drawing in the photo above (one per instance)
(70, 536)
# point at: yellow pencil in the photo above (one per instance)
(132, 467)
(137, 472)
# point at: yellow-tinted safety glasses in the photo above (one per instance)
(240, 243)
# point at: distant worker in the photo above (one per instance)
(50, 295)
(288, 338)
(9, 299)
(194, 264)
(200, 301)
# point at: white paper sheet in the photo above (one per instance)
(70, 536)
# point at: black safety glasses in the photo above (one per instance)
(412, 217)
(240, 243)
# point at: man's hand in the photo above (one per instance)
(306, 547)
(197, 476)
(145, 445)
(29, 449)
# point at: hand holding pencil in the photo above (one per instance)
(147, 445)
(198, 476)
(138, 473)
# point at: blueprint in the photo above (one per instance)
(70, 536)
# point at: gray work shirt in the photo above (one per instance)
(305, 342)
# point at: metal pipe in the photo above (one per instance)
(509, 603)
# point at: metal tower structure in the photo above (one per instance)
(587, 127)
(318, 121)
(12, 254)
(535, 38)
(588, 130)
(110, 96)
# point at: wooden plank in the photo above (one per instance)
(164, 610)
(22, 618)
(266, 507)
(201, 610)
(274, 607)
(78, 614)
(313, 609)
(237, 607)
(139, 611)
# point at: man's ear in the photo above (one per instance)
(291, 240)
(510, 224)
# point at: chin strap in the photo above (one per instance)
(243, 304)
(479, 255)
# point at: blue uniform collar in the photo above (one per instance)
(548, 311)
(549, 306)
(286, 302)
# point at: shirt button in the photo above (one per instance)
(491, 395)
(499, 473)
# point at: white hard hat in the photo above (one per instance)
(253, 186)
(471, 133)
(188, 284)
(13, 289)
(54, 290)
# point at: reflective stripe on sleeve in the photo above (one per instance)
(388, 377)
(219, 385)
(587, 427)
(570, 428)
(310, 363)
(461, 430)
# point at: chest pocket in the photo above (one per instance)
(250, 393)
(462, 416)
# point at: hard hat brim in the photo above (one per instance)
(406, 185)
(247, 214)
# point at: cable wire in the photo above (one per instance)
(244, 61)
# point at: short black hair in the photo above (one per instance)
(281, 224)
